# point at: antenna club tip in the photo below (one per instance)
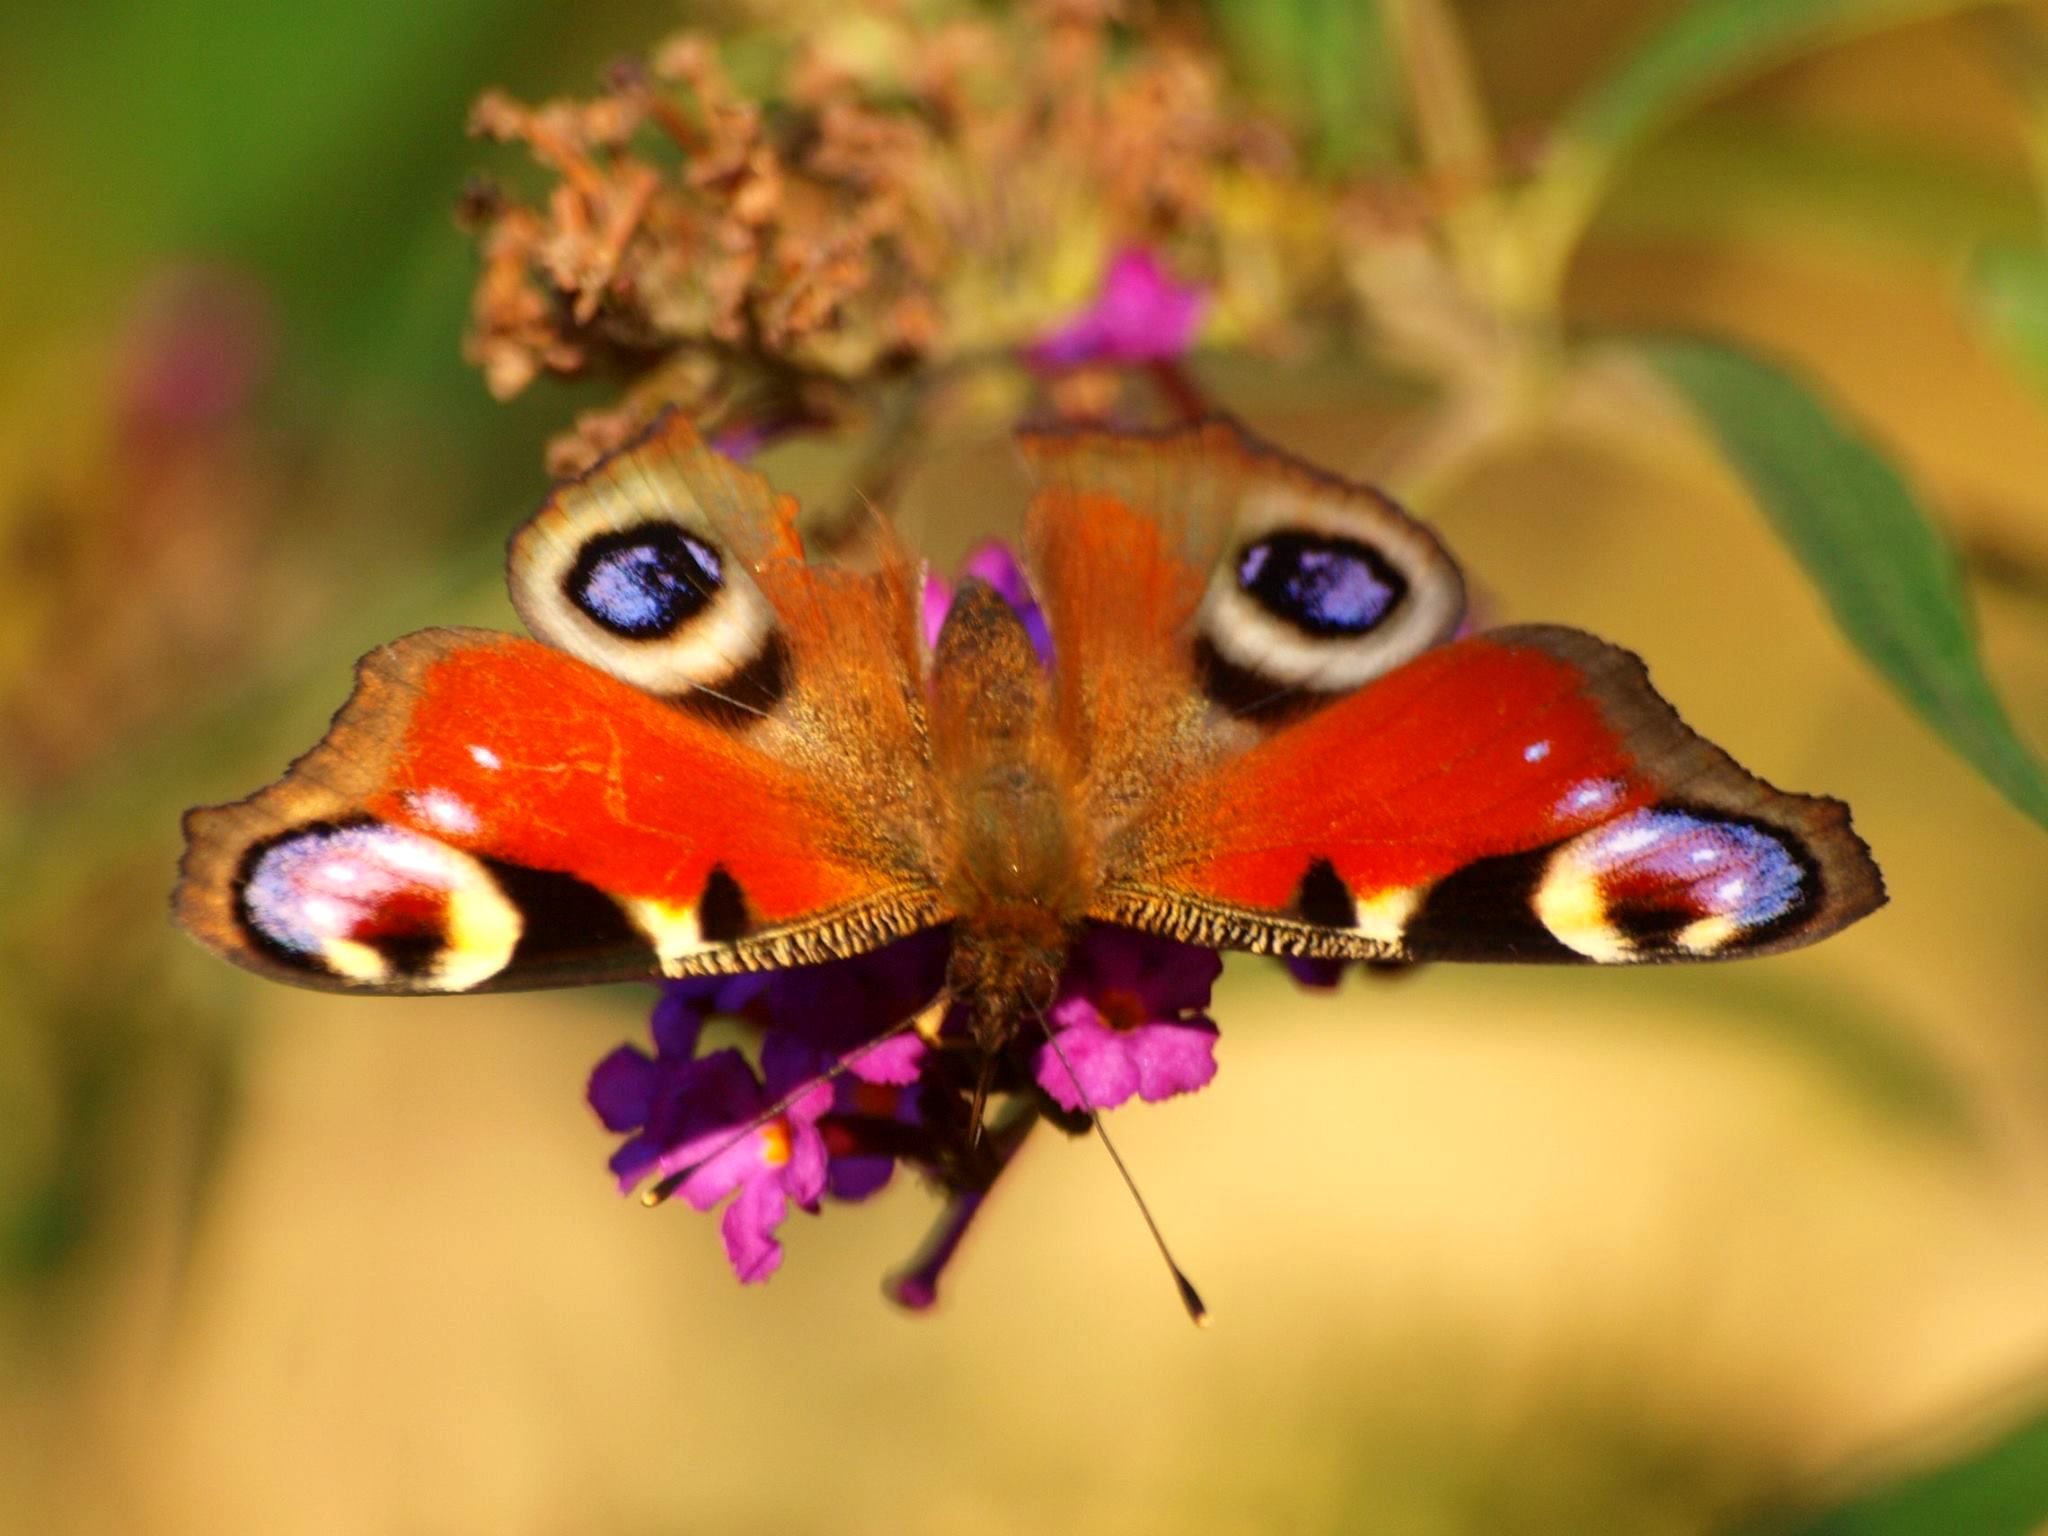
(1191, 1299)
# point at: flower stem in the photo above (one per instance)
(916, 1285)
(1459, 157)
(1180, 391)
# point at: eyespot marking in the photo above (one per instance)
(644, 582)
(376, 904)
(1323, 584)
(1322, 588)
(1671, 881)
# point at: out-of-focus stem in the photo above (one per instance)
(2019, 44)
(1459, 156)
(916, 1285)
(884, 463)
(1422, 464)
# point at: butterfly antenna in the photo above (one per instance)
(979, 1102)
(925, 1021)
(729, 701)
(1190, 1298)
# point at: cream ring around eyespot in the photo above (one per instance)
(1570, 903)
(1248, 636)
(729, 632)
(1354, 513)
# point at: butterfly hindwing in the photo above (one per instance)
(488, 811)
(1204, 589)
(1282, 585)
(1347, 787)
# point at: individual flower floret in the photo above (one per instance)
(1141, 315)
(1128, 1021)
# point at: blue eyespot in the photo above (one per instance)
(1673, 864)
(1322, 584)
(644, 583)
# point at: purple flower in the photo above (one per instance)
(777, 1162)
(993, 563)
(1141, 314)
(648, 1095)
(1128, 1020)
(692, 1118)
(1317, 975)
(695, 1124)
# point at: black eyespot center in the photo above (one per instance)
(1324, 584)
(644, 582)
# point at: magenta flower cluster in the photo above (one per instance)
(1128, 1020)
(1140, 314)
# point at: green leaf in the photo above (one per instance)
(1759, 179)
(1327, 64)
(1994, 1489)
(1706, 46)
(1713, 44)
(1865, 541)
(2008, 289)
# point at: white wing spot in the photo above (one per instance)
(443, 810)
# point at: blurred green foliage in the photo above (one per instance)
(2010, 286)
(1328, 67)
(1885, 570)
(1997, 1487)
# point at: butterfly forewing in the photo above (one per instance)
(650, 798)
(1254, 737)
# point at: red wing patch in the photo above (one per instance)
(487, 811)
(525, 754)
(1520, 795)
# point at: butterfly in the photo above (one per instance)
(1258, 730)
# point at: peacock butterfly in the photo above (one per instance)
(1257, 732)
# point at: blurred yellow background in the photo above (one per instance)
(1489, 1250)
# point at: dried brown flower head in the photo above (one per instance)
(896, 195)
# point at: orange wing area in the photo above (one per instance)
(1520, 795)
(557, 766)
(1119, 607)
(1426, 770)
(490, 812)
(1133, 541)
